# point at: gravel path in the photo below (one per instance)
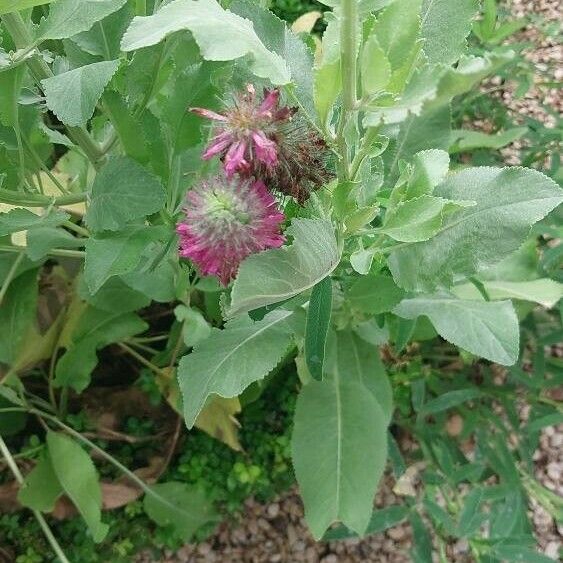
(276, 532)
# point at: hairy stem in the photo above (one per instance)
(39, 200)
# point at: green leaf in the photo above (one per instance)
(220, 34)
(316, 328)
(41, 487)
(397, 29)
(41, 240)
(227, 362)
(420, 218)
(95, 329)
(509, 201)
(471, 517)
(20, 219)
(278, 38)
(465, 140)
(10, 87)
(375, 294)
(114, 296)
(79, 479)
(380, 521)
(279, 274)
(7, 6)
(118, 253)
(358, 360)
(328, 85)
(445, 26)
(17, 314)
(179, 506)
(515, 553)
(449, 400)
(339, 450)
(429, 169)
(123, 191)
(69, 17)
(422, 542)
(72, 96)
(484, 328)
(544, 291)
(375, 67)
(11, 423)
(195, 328)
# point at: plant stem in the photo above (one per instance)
(39, 517)
(348, 54)
(40, 69)
(53, 252)
(8, 279)
(141, 359)
(76, 228)
(140, 7)
(38, 200)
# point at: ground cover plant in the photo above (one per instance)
(208, 216)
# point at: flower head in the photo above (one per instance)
(245, 132)
(226, 220)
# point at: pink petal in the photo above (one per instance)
(202, 112)
(266, 150)
(234, 159)
(217, 145)
(271, 99)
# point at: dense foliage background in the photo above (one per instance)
(92, 357)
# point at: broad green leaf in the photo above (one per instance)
(72, 96)
(397, 29)
(429, 168)
(123, 191)
(95, 329)
(279, 274)
(358, 360)
(179, 506)
(114, 296)
(20, 219)
(7, 6)
(543, 291)
(278, 38)
(69, 17)
(227, 362)
(339, 450)
(41, 487)
(487, 329)
(375, 294)
(40, 240)
(17, 313)
(78, 477)
(195, 328)
(467, 140)
(375, 67)
(381, 520)
(420, 218)
(445, 26)
(220, 34)
(509, 201)
(119, 253)
(316, 328)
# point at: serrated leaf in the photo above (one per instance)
(179, 506)
(279, 38)
(17, 313)
(420, 218)
(509, 201)
(20, 219)
(231, 359)
(41, 487)
(316, 328)
(220, 34)
(195, 328)
(123, 191)
(339, 450)
(445, 26)
(94, 329)
(72, 96)
(375, 67)
(374, 294)
(544, 291)
(69, 17)
(397, 29)
(279, 274)
(118, 253)
(79, 479)
(484, 328)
